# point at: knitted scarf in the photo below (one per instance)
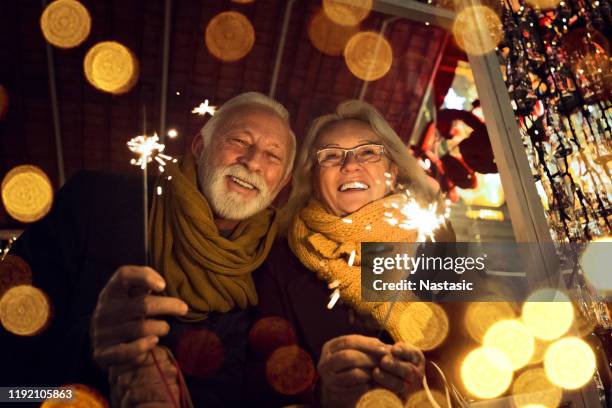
(207, 271)
(323, 242)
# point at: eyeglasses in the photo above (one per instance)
(335, 156)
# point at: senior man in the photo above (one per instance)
(210, 229)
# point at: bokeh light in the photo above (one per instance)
(25, 310)
(229, 36)
(14, 271)
(111, 67)
(419, 399)
(290, 370)
(65, 23)
(27, 193)
(545, 318)
(379, 398)
(513, 339)
(423, 325)
(199, 352)
(543, 4)
(479, 316)
(477, 30)
(569, 363)
(486, 372)
(532, 387)
(84, 396)
(269, 334)
(327, 36)
(347, 12)
(595, 262)
(368, 55)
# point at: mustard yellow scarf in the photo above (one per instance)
(207, 271)
(323, 242)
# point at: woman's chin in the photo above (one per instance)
(349, 208)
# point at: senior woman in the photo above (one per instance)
(344, 179)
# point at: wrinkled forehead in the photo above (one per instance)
(256, 118)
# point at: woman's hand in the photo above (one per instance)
(122, 331)
(401, 370)
(142, 385)
(345, 368)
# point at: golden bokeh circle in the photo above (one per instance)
(595, 263)
(84, 397)
(4, 102)
(486, 372)
(368, 55)
(24, 310)
(65, 23)
(27, 193)
(230, 36)
(111, 67)
(379, 398)
(569, 363)
(479, 316)
(512, 338)
(423, 325)
(477, 30)
(532, 387)
(290, 370)
(547, 319)
(327, 36)
(419, 399)
(347, 12)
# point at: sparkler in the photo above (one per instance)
(204, 108)
(148, 149)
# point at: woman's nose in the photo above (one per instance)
(350, 162)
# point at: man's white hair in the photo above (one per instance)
(249, 99)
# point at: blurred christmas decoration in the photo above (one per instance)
(533, 387)
(368, 55)
(488, 192)
(379, 397)
(556, 66)
(4, 102)
(290, 370)
(477, 29)
(569, 363)
(229, 36)
(25, 310)
(424, 325)
(328, 37)
(548, 314)
(27, 193)
(420, 399)
(479, 316)
(84, 396)
(199, 352)
(65, 23)
(14, 271)
(512, 338)
(203, 108)
(347, 12)
(592, 260)
(486, 372)
(111, 67)
(269, 334)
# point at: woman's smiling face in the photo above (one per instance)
(345, 188)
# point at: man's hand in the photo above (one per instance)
(401, 370)
(142, 386)
(346, 366)
(121, 330)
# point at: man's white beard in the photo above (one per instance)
(231, 205)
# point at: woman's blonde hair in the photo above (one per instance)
(410, 174)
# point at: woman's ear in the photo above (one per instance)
(197, 144)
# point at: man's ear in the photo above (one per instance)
(197, 144)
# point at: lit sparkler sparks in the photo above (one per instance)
(148, 149)
(204, 108)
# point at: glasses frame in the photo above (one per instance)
(352, 150)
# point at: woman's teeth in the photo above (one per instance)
(355, 185)
(242, 183)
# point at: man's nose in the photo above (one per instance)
(251, 159)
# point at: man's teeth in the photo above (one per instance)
(354, 185)
(242, 183)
